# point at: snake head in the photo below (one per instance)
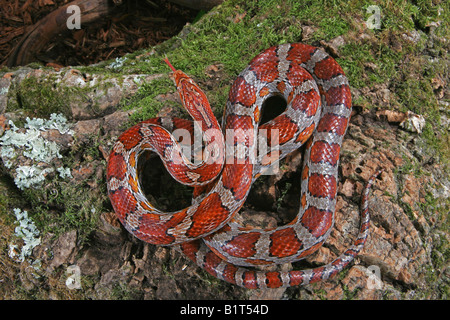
(179, 77)
(193, 98)
(190, 93)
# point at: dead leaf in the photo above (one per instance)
(238, 17)
(43, 3)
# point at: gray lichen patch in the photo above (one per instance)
(31, 154)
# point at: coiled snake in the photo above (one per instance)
(318, 111)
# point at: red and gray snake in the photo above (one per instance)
(317, 114)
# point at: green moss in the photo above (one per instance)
(144, 100)
(40, 97)
(8, 200)
(283, 194)
(121, 291)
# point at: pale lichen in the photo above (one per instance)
(28, 142)
(118, 63)
(30, 176)
(27, 231)
(64, 172)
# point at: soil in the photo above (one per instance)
(131, 26)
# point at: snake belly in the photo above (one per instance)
(317, 114)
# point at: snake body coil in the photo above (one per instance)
(318, 111)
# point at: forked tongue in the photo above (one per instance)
(166, 60)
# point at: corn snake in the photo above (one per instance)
(318, 110)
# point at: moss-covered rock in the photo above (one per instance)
(401, 67)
